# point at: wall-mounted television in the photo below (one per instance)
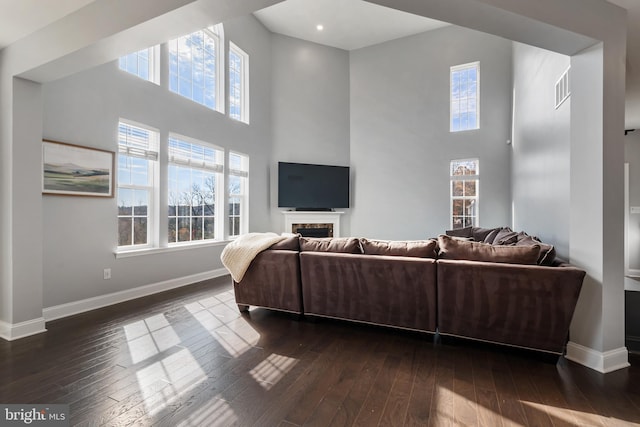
(312, 187)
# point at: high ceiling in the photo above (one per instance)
(348, 24)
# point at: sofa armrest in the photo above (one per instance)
(272, 281)
(522, 305)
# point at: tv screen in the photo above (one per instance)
(315, 187)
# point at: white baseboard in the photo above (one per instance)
(14, 331)
(77, 307)
(606, 362)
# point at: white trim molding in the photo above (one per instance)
(606, 362)
(14, 331)
(77, 307)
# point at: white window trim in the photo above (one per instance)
(454, 68)
(219, 229)
(244, 196)
(476, 178)
(154, 65)
(153, 208)
(244, 83)
(216, 32)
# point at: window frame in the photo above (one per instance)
(218, 169)
(470, 177)
(455, 69)
(153, 66)
(151, 155)
(243, 84)
(216, 33)
(243, 174)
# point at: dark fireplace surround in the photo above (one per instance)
(313, 230)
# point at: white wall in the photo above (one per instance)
(541, 147)
(309, 111)
(401, 145)
(80, 234)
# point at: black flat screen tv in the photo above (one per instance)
(312, 187)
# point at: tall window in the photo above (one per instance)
(194, 67)
(238, 200)
(143, 63)
(137, 158)
(195, 190)
(238, 84)
(465, 97)
(464, 193)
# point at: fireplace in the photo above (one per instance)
(313, 230)
(312, 224)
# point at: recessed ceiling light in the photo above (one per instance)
(319, 27)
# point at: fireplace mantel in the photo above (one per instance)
(312, 217)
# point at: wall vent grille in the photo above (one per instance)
(563, 89)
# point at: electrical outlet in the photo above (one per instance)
(107, 273)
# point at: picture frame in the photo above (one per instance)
(74, 170)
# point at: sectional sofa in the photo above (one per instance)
(503, 287)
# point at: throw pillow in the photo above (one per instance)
(479, 233)
(477, 251)
(349, 245)
(460, 232)
(505, 236)
(547, 252)
(411, 248)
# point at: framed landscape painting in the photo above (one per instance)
(73, 170)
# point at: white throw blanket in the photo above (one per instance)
(238, 254)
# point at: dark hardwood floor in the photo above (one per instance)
(188, 357)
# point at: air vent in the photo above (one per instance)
(562, 88)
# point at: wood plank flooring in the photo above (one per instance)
(187, 357)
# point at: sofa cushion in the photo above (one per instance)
(460, 232)
(291, 243)
(477, 251)
(349, 245)
(410, 248)
(479, 234)
(492, 235)
(505, 236)
(547, 252)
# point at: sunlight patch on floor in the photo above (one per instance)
(569, 416)
(163, 382)
(148, 337)
(272, 369)
(226, 325)
(236, 341)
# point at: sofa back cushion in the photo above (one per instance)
(477, 251)
(291, 243)
(547, 253)
(410, 248)
(460, 232)
(349, 245)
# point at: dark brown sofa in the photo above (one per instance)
(382, 290)
(273, 279)
(516, 302)
(527, 306)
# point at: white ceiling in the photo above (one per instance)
(19, 18)
(348, 24)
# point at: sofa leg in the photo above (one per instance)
(243, 308)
